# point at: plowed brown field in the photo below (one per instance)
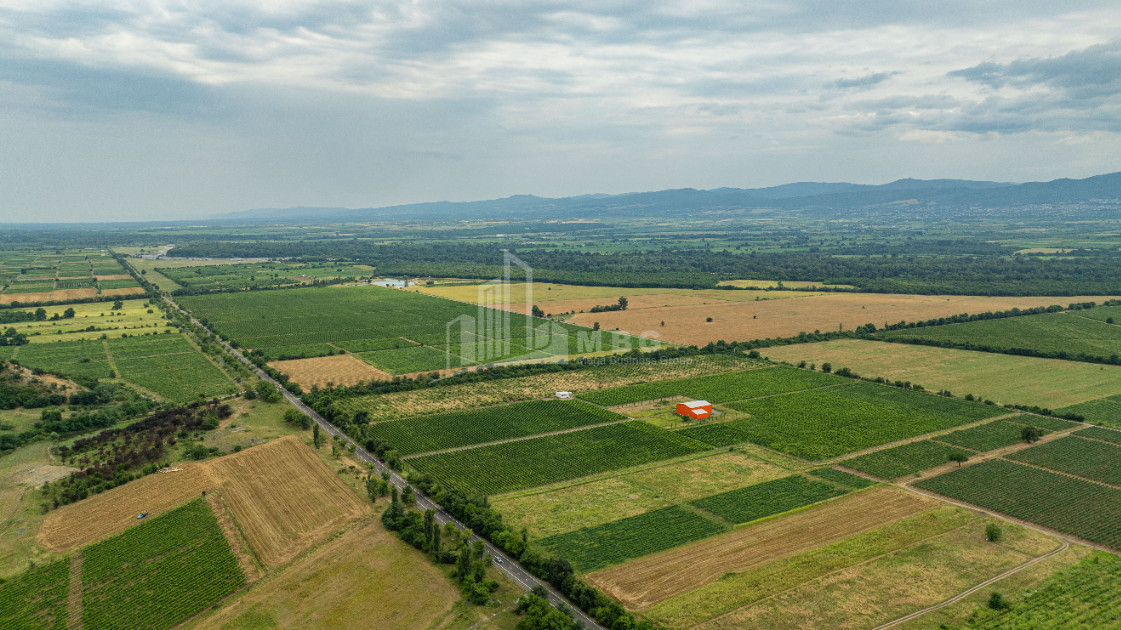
(124, 291)
(740, 321)
(341, 369)
(647, 581)
(48, 296)
(285, 499)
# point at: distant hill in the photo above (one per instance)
(814, 197)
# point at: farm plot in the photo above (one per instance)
(818, 424)
(91, 321)
(1099, 433)
(1085, 458)
(72, 359)
(300, 323)
(1077, 507)
(843, 478)
(1106, 411)
(1066, 335)
(169, 366)
(597, 547)
(719, 388)
(1050, 383)
(285, 498)
(36, 598)
(160, 573)
(640, 584)
(515, 465)
(987, 437)
(1083, 596)
(341, 369)
(767, 499)
(490, 424)
(906, 459)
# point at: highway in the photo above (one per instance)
(508, 565)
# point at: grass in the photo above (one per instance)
(1073, 506)
(718, 388)
(906, 459)
(160, 573)
(819, 424)
(597, 547)
(527, 463)
(20, 513)
(463, 428)
(36, 598)
(1085, 458)
(1049, 383)
(767, 499)
(987, 437)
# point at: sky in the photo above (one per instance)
(175, 109)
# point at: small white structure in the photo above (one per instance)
(564, 395)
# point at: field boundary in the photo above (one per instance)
(516, 439)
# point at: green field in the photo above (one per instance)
(718, 388)
(767, 499)
(527, 463)
(843, 478)
(1070, 505)
(91, 321)
(987, 437)
(235, 277)
(1074, 455)
(160, 573)
(819, 424)
(73, 359)
(1049, 383)
(1083, 596)
(1105, 411)
(1099, 433)
(1064, 335)
(293, 323)
(463, 428)
(36, 598)
(906, 459)
(594, 548)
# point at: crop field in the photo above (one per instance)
(489, 424)
(583, 503)
(640, 584)
(1069, 333)
(611, 543)
(341, 369)
(365, 574)
(1082, 596)
(169, 366)
(1050, 383)
(1085, 458)
(906, 459)
(300, 323)
(817, 424)
(160, 573)
(559, 298)
(1077, 507)
(856, 482)
(987, 437)
(73, 359)
(36, 598)
(1106, 411)
(285, 498)
(255, 275)
(719, 388)
(92, 320)
(486, 393)
(767, 499)
(738, 321)
(1099, 433)
(515, 465)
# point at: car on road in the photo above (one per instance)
(498, 559)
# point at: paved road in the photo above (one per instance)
(508, 565)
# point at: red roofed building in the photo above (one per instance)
(695, 409)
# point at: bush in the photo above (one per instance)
(993, 532)
(997, 602)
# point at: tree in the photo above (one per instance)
(315, 435)
(623, 304)
(595, 325)
(826, 367)
(537, 312)
(408, 496)
(997, 601)
(1031, 435)
(40, 314)
(959, 458)
(437, 551)
(117, 305)
(68, 313)
(993, 532)
(372, 488)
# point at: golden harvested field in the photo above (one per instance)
(742, 321)
(120, 276)
(470, 395)
(76, 525)
(565, 507)
(1052, 383)
(365, 578)
(557, 298)
(644, 582)
(341, 369)
(48, 296)
(124, 291)
(285, 498)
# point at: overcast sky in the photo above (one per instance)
(162, 109)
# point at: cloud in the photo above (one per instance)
(1093, 72)
(865, 81)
